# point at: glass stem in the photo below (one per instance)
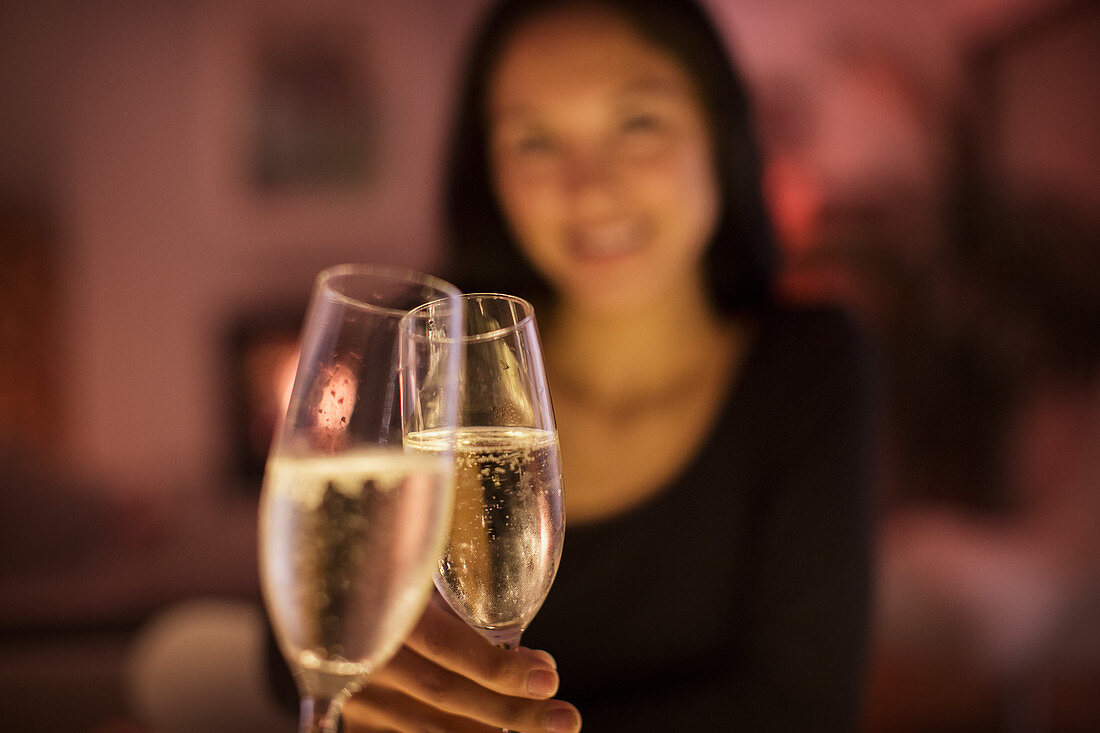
(507, 640)
(317, 714)
(504, 638)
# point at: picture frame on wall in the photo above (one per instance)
(312, 127)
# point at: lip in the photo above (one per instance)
(607, 242)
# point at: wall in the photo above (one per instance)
(130, 118)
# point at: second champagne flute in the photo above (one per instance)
(508, 522)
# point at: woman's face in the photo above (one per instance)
(601, 157)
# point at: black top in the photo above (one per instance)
(737, 598)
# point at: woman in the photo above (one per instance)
(716, 565)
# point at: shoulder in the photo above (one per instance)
(814, 401)
(812, 332)
(809, 370)
(811, 347)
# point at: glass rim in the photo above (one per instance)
(496, 333)
(391, 273)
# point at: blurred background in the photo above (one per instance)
(173, 173)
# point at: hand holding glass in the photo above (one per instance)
(351, 524)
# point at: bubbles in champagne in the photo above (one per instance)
(347, 547)
(507, 526)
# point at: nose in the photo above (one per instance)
(589, 179)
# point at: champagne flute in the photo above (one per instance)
(508, 521)
(351, 524)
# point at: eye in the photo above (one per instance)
(523, 141)
(533, 143)
(640, 123)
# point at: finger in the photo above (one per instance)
(453, 693)
(380, 709)
(448, 641)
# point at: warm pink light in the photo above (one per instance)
(338, 399)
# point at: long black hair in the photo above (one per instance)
(741, 259)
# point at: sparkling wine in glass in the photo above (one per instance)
(508, 521)
(352, 524)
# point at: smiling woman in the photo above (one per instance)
(600, 152)
(714, 440)
(681, 58)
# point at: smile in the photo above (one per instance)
(607, 241)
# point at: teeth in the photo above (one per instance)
(607, 239)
